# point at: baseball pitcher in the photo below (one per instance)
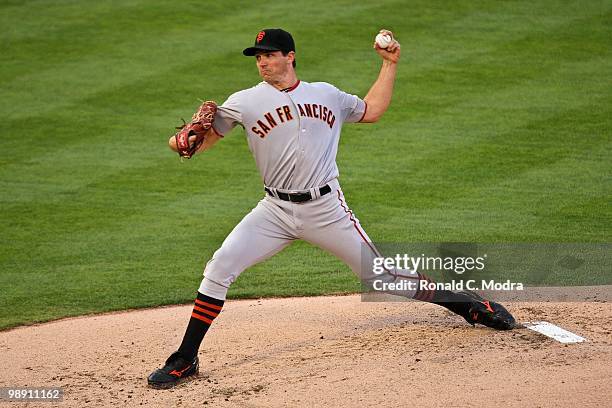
(293, 128)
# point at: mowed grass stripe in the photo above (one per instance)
(544, 204)
(453, 182)
(493, 137)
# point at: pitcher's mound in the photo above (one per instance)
(332, 351)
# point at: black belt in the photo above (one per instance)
(298, 197)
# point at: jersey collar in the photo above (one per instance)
(291, 88)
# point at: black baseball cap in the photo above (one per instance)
(271, 39)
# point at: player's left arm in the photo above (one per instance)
(210, 138)
(379, 95)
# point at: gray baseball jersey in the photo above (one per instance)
(293, 135)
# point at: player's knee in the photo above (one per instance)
(213, 289)
(220, 272)
(223, 268)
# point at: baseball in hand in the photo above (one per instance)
(383, 40)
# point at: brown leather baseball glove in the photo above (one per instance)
(200, 124)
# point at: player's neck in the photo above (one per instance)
(287, 81)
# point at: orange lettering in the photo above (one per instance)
(270, 119)
(280, 114)
(302, 113)
(259, 132)
(263, 127)
(308, 110)
(287, 112)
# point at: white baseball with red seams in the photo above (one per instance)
(383, 40)
(293, 135)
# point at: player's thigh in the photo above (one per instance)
(259, 235)
(341, 234)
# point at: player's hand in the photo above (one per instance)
(192, 139)
(210, 139)
(392, 52)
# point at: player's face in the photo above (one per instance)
(273, 65)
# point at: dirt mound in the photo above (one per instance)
(323, 351)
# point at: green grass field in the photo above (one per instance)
(499, 131)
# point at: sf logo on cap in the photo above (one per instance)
(260, 36)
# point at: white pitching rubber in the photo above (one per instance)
(555, 332)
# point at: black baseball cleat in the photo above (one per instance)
(176, 370)
(488, 313)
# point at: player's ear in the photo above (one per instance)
(291, 55)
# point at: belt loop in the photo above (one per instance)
(272, 191)
(315, 193)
